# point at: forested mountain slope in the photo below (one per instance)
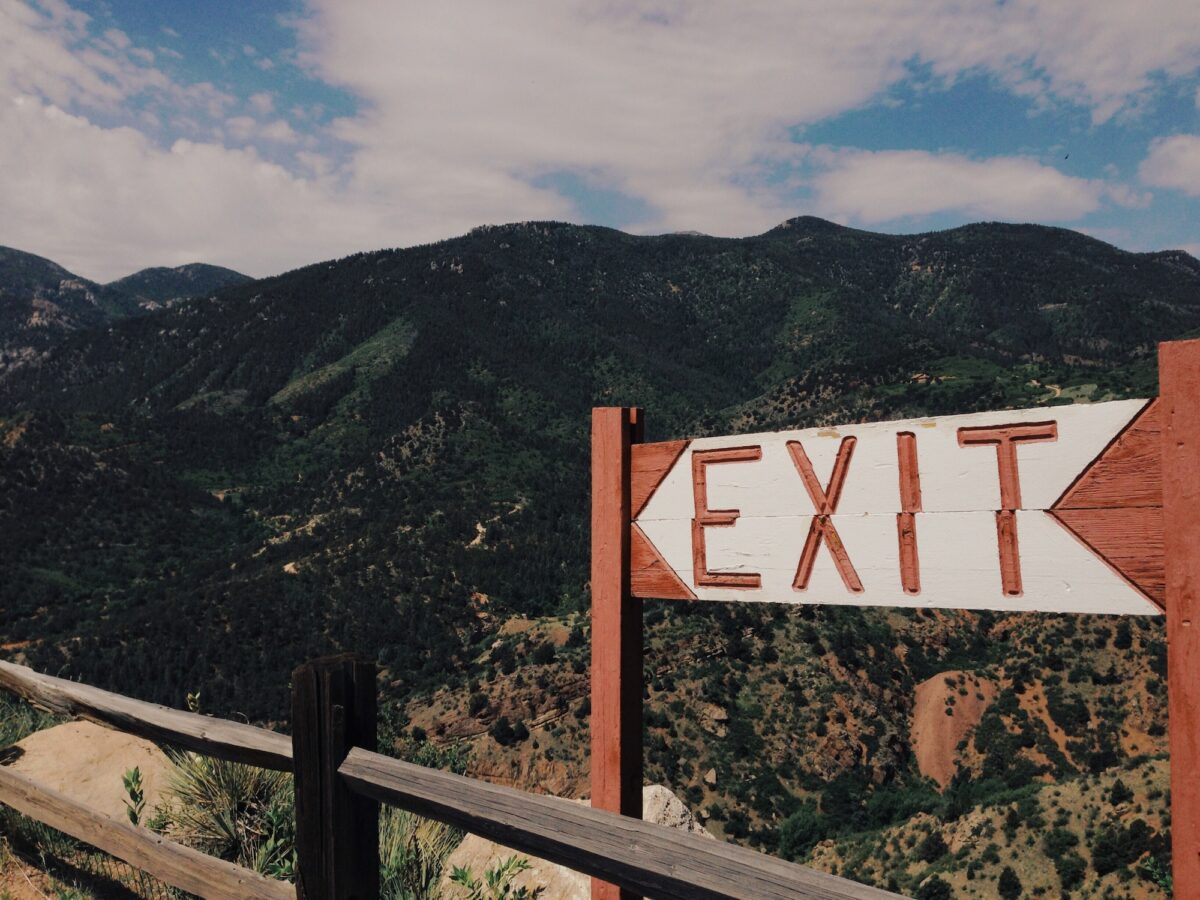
(40, 301)
(388, 453)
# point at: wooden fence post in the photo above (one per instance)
(1179, 388)
(337, 832)
(616, 720)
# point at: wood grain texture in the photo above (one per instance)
(920, 515)
(179, 866)
(649, 574)
(337, 833)
(1130, 540)
(1179, 383)
(616, 677)
(649, 465)
(703, 517)
(210, 737)
(1129, 470)
(1115, 505)
(644, 859)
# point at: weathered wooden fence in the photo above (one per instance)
(340, 782)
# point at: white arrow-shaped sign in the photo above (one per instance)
(1054, 509)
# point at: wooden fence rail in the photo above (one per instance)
(340, 782)
(645, 858)
(189, 731)
(179, 866)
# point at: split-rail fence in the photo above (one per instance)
(340, 781)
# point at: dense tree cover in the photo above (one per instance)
(389, 452)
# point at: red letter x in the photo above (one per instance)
(822, 528)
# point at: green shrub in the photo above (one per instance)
(799, 831)
(1120, 793)
(1071, 869)
(496, 883)
(1009, 885)
(1057, 842)
(934, 888)
(932, 848)
(1117, 846)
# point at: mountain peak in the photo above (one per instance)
(152, 287)
(808, 223)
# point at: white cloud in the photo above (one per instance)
(241, 128)
(279, 131)
(262, 102)
(118, 39)
(685, 106)
(117, 201)
(1173, 162)
(244, 129)
(872, 187)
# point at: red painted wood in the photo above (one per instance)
(716, 518)
(651, 463)
(825, 501)
(1115, 505)
(616, 720)
(1129, 540)
(910, 504)
(650, 577)
(1127, 473)
(1179, 389)
(1005, 439)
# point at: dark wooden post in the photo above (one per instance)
(337, 832)
(1179, 388)
(616, 721)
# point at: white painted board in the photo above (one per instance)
(956, 530)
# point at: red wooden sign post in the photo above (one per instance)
(616, 720)
(1179, 387)
(1083, 508)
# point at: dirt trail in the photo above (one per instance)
(935, 736)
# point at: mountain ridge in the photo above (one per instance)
(41, 301)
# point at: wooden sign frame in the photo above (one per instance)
(618, 547)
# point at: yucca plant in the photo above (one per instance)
(412, 853)
(237, 812)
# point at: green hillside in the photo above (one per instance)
(388, 453)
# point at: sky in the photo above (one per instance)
(268, 135)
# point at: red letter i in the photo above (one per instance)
(910, 503)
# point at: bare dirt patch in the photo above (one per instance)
(86, 761)
(935, 735)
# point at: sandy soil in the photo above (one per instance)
(86, 762)
(935, 736)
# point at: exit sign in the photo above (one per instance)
(1052, 509)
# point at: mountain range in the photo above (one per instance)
(388, 453)
(40, 301)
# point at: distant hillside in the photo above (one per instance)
(40, 301)
(389, 453)
(158, 286)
